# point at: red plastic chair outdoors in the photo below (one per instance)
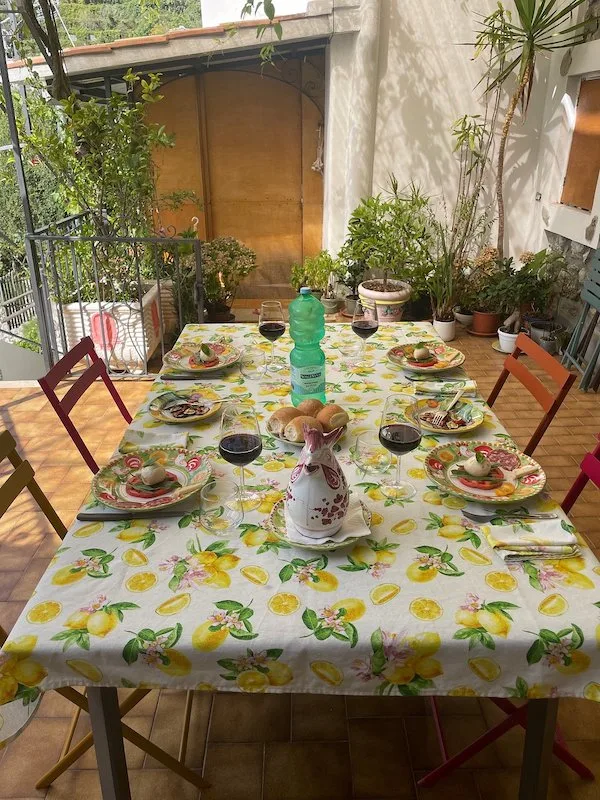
(549, 402)
(96, 369)
(590, 471)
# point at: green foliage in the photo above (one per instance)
(31, 331)
(315, 271)
(225, 263)
(391, 233)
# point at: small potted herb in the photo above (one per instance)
(225, 263)
(314, 272)
(350, 273)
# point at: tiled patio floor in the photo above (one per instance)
(261, 747)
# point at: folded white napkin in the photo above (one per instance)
(149, 438)
(523, 540)
(354, 525)
(444, 387)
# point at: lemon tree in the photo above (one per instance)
(330, 622)
(151, 645)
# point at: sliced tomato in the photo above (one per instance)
(146, 492)
(483, 448)
(429, 363)
(212, 363)
(482, 483)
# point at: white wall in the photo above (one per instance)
(426, 80)
(215, 12)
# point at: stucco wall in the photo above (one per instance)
(425, 81)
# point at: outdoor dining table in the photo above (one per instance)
(188, 610)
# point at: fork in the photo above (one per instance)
(440, 416)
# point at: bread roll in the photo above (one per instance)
(332, 417)
(310, 407)
(294, 430)
(280, 419)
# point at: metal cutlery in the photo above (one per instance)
(506, 514)
(441, 416)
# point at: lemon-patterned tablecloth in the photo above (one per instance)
(422, 606)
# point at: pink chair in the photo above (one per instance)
(590, 471)
(96, 369)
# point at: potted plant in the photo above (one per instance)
(390, 236)
(329, 300)
(484, 278)
(441, 292)
(314, 272)
(225, 263)
(349, 272)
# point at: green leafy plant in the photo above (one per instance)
(225, 263)
(314, 272)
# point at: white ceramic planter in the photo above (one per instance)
(130, 334)
(445, 330)
(390, 305)
(463, 319)
(506, 340)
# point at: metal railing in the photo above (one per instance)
(17, 305)
(132, 295)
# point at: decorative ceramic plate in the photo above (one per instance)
(444, 357)
(427, 407)
(444, 459)
(301, 444)
(185, 358)
(119, 485)
(277, 525)
(169, 405)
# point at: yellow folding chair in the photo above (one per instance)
(23, 477)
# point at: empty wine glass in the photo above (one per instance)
(271, 325)
(240, 443)
(399, 434)
(365, 323)
(370, 455)
(222, 507)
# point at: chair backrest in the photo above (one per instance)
(590, 471)
(23, 477)
(97, 369)
(3, 635)
(549, 402)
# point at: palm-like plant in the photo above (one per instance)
(512, 47)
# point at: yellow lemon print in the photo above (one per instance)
(592, 692)
(494, 623)
(252, 681)
(174, 605)
(219, 579)
(454, 502)
(327, 672)
(141, 582)
(383, 593)
(404, 526)
(579, 663)
(22, 646)
(463, 691)
(354, 608)
(44, 612)
(473, 557)
(501, 581)
(273, 466)
(577, 580)
(205, 687)
(553, 606)
(466, 618)
(66, 575)
(279, 674)
(255, 538)
(547, 504)
(326, 583)
(417, 474)
(132, 534)
(596, 570)
(451, 531)
(426, 609)
(254, 574)
(134, 558)
(376, 519)
(425, 644)
(8, 689)
(88, 530)
(179, 665)
(101, 623)
(89, 671)
(399, 675)
(485, 668)
(78, 619)
(418, 575)
(28, 672)
(206, 640)
(283, 603)
(433, 498)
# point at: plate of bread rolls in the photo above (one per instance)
(287, 423)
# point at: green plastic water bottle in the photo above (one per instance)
(307, 360)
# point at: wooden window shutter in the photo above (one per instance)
(583, 166)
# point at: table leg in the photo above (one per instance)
(108, 741)
(537, 752)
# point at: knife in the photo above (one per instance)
(106, 514)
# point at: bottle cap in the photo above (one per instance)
(305, 290)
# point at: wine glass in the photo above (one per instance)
(240, 443)
(271, 325)
(222, 507)
(399, 434)
(365, 323)
(369, 454)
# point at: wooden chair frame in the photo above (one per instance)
(97, 369)
(23, 477)
(590, 471)
(549, 402)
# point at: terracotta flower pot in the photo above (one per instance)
(390, 304)
(485, 324)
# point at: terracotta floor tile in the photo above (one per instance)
(235, 771)
(364, 706)
(504, 785)
(588, 753)
(168, 724)
(10, 611)
(30, 755)
(147, 706)
(460, 785)
(422, 743)
(159, 784)
(461, 731)
(76, 785)
(579, 719)
(250, 718)
(29, 579)
(380, 759)
(307, 771)
(318, 717)
(8, 581)
(135, 756)
(451, 706)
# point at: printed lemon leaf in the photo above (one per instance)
(27, 694)
(596, 604)
(532, 572)
(325, 633)
(298, 562)
(228, 664)
(73, 638)
(245, 614)
(577, 637)
(174, 636)
(146, 635)
(566, 527)
(242, 635)
(185, 521)
(351, 633)
(465, 633)
(500, 606)
(486, 640)
(422, 683)
(310, 619)
(286, 573)
(433, 522)
(381, 689)
(521, 687)
(229, 605)
(549, 636)
(396, 501)
(127, 684)
(94, 552)
(131, 651)
(274, 653)
(536, 652)
(428, 550)
(471, 536)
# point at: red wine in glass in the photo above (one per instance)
(240, 448)
(271, 330)
(365, 327)
(400, 438)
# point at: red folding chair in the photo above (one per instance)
(590, 471)
(96, 369)
(548, 401)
